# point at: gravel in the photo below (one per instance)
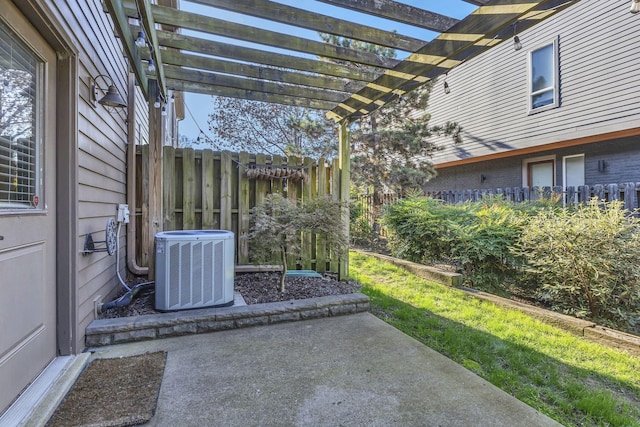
(255, 288)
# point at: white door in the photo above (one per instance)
(27, 204)
(541, 174)
(573, 171)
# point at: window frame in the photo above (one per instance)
(555, 87)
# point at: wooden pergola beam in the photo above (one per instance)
(277, 12)
(253, 85)
(120, 18)
(144, 6)
(230, 51)
(257, 72)
(208, 89)
(219, 27)
(399, 12)
(477, 2)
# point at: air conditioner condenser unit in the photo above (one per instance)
(194, 269)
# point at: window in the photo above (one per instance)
(543, 78)
(20, 150)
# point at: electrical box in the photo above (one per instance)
(123, 214)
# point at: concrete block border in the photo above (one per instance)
(425, 271)
(103, 332)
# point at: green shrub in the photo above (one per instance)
(420, 229)
(586, 261)
(481, 245)
(474, 236)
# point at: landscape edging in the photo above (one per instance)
(584, 328)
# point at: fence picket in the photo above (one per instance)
(335, 194)
(276, 184)
(208, 185)
(321, 247)
(188, 189)
(307, 238)
(169, 189)
(243, 209)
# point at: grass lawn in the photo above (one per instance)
(570, 379)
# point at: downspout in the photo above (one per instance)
(133, 267)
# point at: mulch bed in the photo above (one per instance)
(255, 288)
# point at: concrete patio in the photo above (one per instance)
(352, 370)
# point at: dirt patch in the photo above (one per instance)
(255, 288)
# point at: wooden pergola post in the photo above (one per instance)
(156, 138)
(344, 155)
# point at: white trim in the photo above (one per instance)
(556, 78)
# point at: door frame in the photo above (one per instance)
(526, 178)
(48, 23)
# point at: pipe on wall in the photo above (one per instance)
(132, 265)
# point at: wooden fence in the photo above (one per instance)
(203, 189)
(627, 192)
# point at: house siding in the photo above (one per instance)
(598, 89)
(620, 155)
(101, 151)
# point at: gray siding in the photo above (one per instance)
(598, 59)
(101, 150)
(621, 157)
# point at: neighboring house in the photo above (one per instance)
(562, 111)
(63, 172)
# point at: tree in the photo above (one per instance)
(391, 147)
(267, 128)
(277, 225)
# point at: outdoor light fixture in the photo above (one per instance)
(516, 43)
(111, 96)
(157, 103)
(446, 87)
(635, 6)
(164, 110)
(516, 40)
(152, 65)
(141, 41)
(172, 99)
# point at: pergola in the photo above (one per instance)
(346, 83)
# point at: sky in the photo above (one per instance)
(199, 106)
